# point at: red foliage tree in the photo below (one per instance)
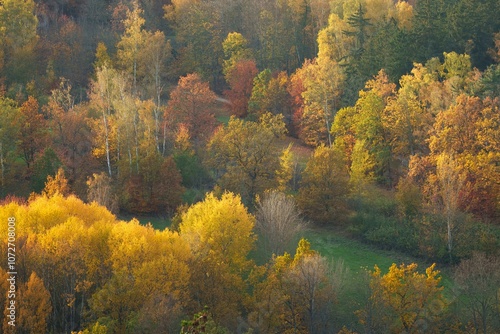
(192, 105)
(240, 79)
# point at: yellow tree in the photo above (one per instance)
(236, 49)
(35, 307)
(4, 287)
(240, 154)
(147, 266)
(324, 186)
(131, 43)
(412, 301)
(370, 130)
(64, 241)
(451, 181)
(323, 84)
(285, 173)
(153, 61)
(467, 131)
(56, 185)
(408, 121)
(102, 94)
(296, 295)
(220, 234)
(402, 12)
(60, 261)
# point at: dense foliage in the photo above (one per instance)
(188, 109)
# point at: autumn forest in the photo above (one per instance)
(215, 166)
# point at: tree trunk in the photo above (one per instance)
(106, 135)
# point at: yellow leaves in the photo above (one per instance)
(285, 173)
(324, 186)
(303, 250)
(220, 228)
(377, 10)
(403, 14)
(295, 291)
(220, 234)
(34, 306)
(83, 253)
(235, 48)
(407, 294)
(240, 152)
(56, 185)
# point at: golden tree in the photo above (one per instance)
(324, 186)
(220, 234)
(411, 301)
(240, 154)
(35, 306)
(56, 185)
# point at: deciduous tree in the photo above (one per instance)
(477, 280)
(297, 293)
(236, 49)
(220, 234)
(131, 42)
(412, 301)
(32, 136)
(34, 306)
(18, 33)
(56, 185)
(278, 221)
(240, 78)
(198, 28)
(324, 186)
(240, 155)
(8, 131)
(100, 190)
(191, 104)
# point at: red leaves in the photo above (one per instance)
(240, 79)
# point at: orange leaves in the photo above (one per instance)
(35, 306)
(192, 105)
(57, 184)
(469, 131)
(33, 132)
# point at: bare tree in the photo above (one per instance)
(451, 183)
(478, 281)
(278, 221)
(100, 191)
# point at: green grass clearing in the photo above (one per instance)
(157, 221)
(357, 258)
